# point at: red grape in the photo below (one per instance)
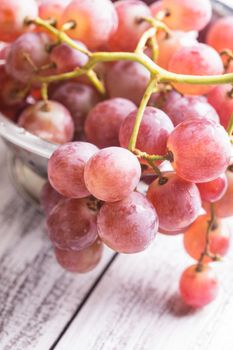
(213, 190)
(129, 225)
(168, 44)
(224, 207)
(155, 7)
(128, 80)
(66, 168)
(195, 238)
(81, 261)
(220, 34)
(181, 108)
(112, 174)
(129, 29)
(72, 224)
(199, 59)
(221, 100)
(51, 121)
(198, 288)
(153, 134)
(49, 198)
(96, 21)
(201, 150)
(67, 59)
(176, 201)
(187, 14)
(12, 16)
(172, 232)
(79, 99)
(31, 46)
(104, 120)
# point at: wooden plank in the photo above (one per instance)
(136, 306)
(37, 298)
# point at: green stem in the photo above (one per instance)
(230, 126)
(141, 109)
(96, 82)
(150, 33)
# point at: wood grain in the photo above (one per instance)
(136, 306)
(37, 298)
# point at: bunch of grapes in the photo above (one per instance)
(130, 96)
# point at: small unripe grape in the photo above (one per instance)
(96, 21)
(201, 150)
(198, 288)
(103, 122)
(187, 14)
(129, 29)
(128, 80)
(153, 133)
(81, 261)
(220, 98)
(195, 238)
(51, 121)
(13, 14)
(129, 225)
(66, 168)
(177, 202)
(199, 59)
(112, 174)
(213, 190)
(72, 224)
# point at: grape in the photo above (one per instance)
(128, 80)
(220, 34)
(72, 224)
(104, 120)
(96, 21)
(81, 261)
(129, 29)
(12, 16)
(224, 207)
(187, 14)
(220, 99)
(155, 7)
(33, 46)
(66, 168)
(79, 99)
(51, 121)
(195, 238)
(201, 150)
(52, 9)
(199, 59)
(181, 108)
(168, 44)
(213, 190)
(176, 201)
(112, 174)
(49, 198)
(153, 134)
(129, 225)
(198, 288)
(67, 59)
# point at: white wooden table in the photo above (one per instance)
(128, 302)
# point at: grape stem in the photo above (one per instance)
(211, 226)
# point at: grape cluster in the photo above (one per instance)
(129, 95)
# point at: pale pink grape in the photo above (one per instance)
(72, 224)
(198, 289)
(220, 34)
(103, 122)
(66, 168)
(213, 190)
(201, 150)
(81, 261)
(177, 202)
(112, 174)
(129, 225)
(49, 198)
